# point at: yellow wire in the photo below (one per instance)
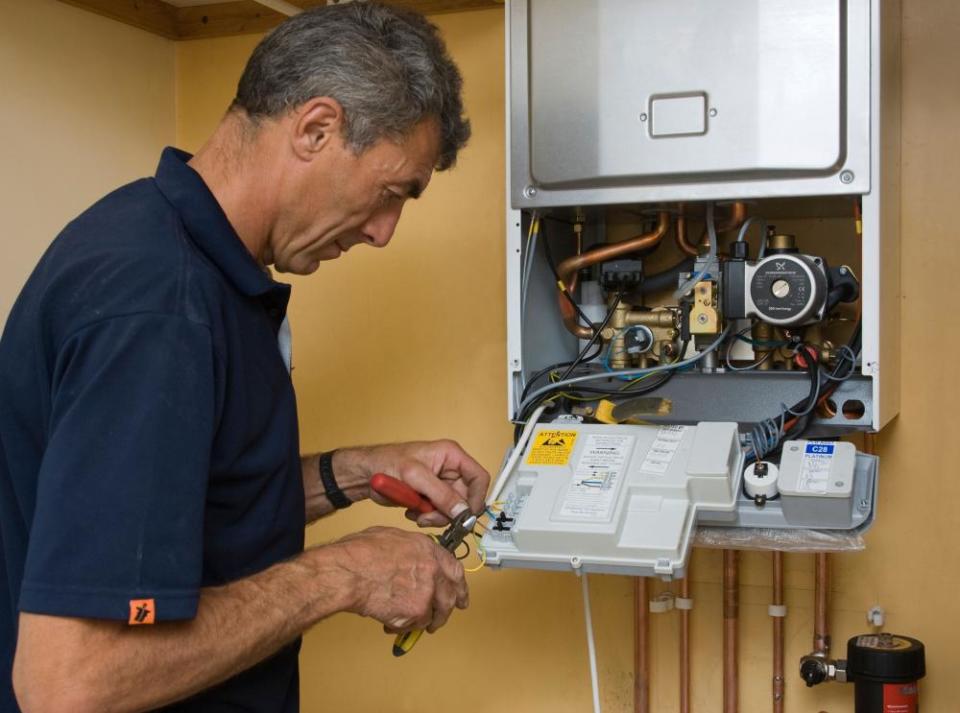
(481, 552)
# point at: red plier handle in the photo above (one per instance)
(400, 493)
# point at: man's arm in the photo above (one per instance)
(441, 471)
(402, 579)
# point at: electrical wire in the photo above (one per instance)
(754, 365)
(544, 391)
(596, 338)
(548, 252)
(516, 453)
(767, 436)
(591, 646)
(711, 257)
(526, 270)
(742, 235)
(481, 553)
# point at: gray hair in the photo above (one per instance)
(387, 67)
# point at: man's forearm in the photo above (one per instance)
(351, 479)
(109, 666)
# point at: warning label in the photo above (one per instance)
(663, 450)
(593, 490)
(552, 448)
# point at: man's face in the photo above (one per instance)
(342, 199)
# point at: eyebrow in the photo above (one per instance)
(412, 189)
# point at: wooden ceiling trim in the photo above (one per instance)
(153, 16)
(225, 19)
(239, 17)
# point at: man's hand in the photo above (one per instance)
(441, 471)
(402, 579)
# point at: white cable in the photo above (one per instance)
(284, 8)
(591, 648)
(515, 455)
(526, 269)
(710, 259)
(742, 235)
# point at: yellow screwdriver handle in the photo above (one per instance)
(405, 641)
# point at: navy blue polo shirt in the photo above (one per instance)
(148, 428)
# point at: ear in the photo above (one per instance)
(316, 123)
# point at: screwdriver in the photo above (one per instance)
(462, 525)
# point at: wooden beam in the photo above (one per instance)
(225, 19)
(153, 16)
(239, 17)
(425, 7)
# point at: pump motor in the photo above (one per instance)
(784, 290)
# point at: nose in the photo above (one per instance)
(379, 229)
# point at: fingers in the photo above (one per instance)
(472, 474)
(445, 498)
(451, 590)
(416, 584)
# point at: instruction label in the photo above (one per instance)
(815, 468)
(593, 489)
(663, 450)
(552, 448)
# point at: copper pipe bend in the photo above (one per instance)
(738, 214)
(681, 235)
(568, 269)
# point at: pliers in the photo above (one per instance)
(450, 539)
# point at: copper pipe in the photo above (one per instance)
(738, 213)
(779, 681)
(730, 614)
(870, 443)
(685, 646)
(641, 663)
(568, 269)
(681, 235)
(821, 631)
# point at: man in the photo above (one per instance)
(152, 497)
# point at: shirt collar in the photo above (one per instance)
(208, 226)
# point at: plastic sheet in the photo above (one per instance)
(783, 540)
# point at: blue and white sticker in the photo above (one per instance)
(815, 467)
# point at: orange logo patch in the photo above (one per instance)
(142, 611)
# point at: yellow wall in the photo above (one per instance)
(87, 106)
(409, 343)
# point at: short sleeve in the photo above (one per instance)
(118, 525)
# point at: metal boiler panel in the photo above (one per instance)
(617, 101)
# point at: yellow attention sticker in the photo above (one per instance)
(552, 448)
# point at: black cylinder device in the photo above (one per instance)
(885, 669)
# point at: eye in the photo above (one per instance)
(388, 196)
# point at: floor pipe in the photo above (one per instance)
(641, 662)
(730, 615)
(779, 680)
(685, 643)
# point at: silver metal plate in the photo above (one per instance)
(629, 100)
